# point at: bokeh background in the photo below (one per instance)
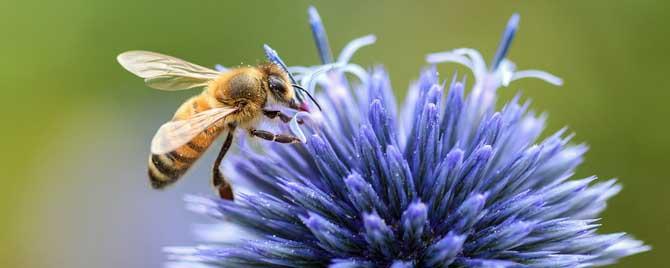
(76, 126)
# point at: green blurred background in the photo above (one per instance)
(76, 127)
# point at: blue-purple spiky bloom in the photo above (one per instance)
(447, 181)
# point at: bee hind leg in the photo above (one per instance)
(218, 180)
(280, 138)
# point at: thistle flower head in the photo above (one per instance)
(444, 181)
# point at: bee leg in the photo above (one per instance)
(282, 116)
(219, 182)
(280, 138)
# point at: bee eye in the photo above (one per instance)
(276, 84)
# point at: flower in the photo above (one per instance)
(447, 181)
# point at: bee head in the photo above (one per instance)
(279, 87)
(298, 100)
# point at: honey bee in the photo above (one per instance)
(236, 98)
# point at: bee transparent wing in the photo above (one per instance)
(166, 72)
(175, 134)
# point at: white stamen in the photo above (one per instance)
(441, 57)
(357, 71)
(294, 126)
(310, 79)
(542, 75)
(298, 69)
(506, 72)
(353, 46)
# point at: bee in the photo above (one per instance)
(234, 99)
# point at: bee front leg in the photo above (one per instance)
(280, 138)
(282, 116)
(219, 182)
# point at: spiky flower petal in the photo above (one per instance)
(446, 182)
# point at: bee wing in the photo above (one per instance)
(175, 134)
(165, 72)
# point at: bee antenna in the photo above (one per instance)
(309, 95)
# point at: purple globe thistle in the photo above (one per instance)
(447, 181)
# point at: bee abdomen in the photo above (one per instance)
(167, 168)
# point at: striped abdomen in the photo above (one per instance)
(165, 169)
